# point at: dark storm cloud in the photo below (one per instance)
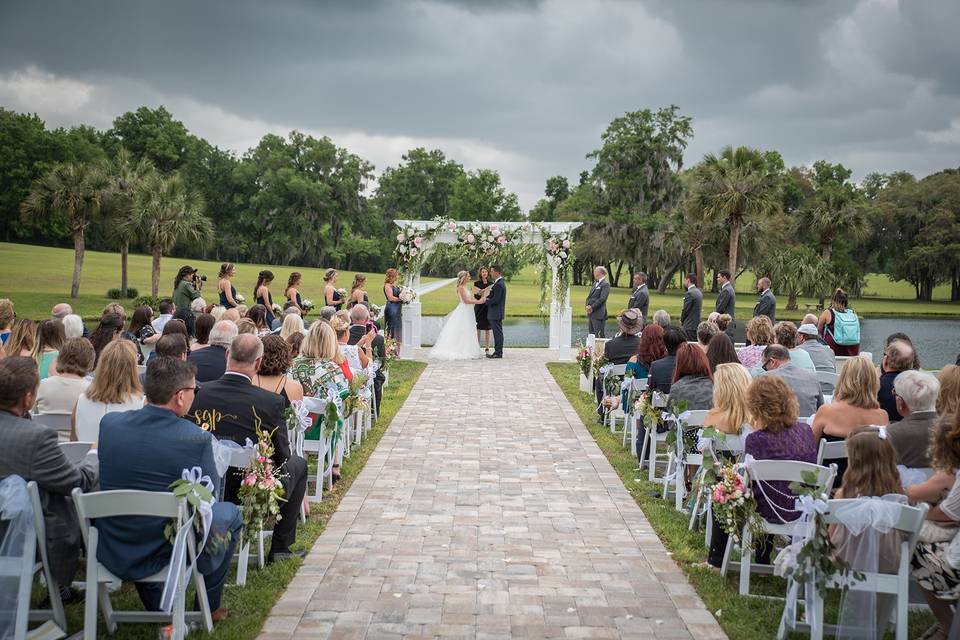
(528, 85)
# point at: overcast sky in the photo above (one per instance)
(523, 87)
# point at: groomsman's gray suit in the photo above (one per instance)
(640, 300)
(597, 301)
(727, 303)
(692, 308)
(766, 306)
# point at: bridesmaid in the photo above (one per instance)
(261, 294)
(357, 293)
(293, 292)
(228, 292)
(392, 312)
(331, 296)
(480, 310)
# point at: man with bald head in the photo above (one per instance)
(211, 362)
(232, 408)
(61, 311)
(897, 358)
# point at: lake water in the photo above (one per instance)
(937, 340)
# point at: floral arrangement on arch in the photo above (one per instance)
(558, 248)
(410, 251)
(481, 241)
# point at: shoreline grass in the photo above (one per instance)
(742, 618)
(249, 605)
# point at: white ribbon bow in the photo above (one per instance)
(196, 476)
(178, 558)
(302, 414)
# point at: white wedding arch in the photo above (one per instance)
(417, 238)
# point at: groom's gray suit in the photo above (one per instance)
(496, 303)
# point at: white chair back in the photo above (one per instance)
(58, 421)
(75, 451)
(836, 450)
(827, 380)
(56, 611)
(696, 418)
(19, 542)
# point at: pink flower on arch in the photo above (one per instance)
(566, 244)
(418, 241)
(502, 240)
(470, 238)
(401, 237)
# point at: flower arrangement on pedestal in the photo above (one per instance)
(558, 252)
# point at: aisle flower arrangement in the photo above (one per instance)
(260, 491)
(735, 507)
(584, 359)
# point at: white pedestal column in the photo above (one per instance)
(412, 317)
(561, 327)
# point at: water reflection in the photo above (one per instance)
(937, 340)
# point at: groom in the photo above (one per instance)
(496, 302)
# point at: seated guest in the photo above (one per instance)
(897, 358)
(360, 327)
(759, 335)
(902, 337)
(212, 361)
(650, 350)
(258, 314)
(729, 412)
(58, 394)
(705, 331)
(723, 323)
(854, 403)
(326, 313)
(916, 397)
(786, 336)
(692, 381)
(932, 564)
(47, 345)
(141, 330)
(948, 401)
(295, 341)
(30, 450)
(292, 323)
(662, 318)
(217, 312)
(7, 317)
(720, 350)
(822, 356)
(241, 406)
(620, 349)
(73, 326)
(776, 435)
(108, 330)
(803, 383)
(133, 548)
(247, 326)
(167, 309)
(661, 371)
(358, 355)
(173, 345)
(274, 366)
(115, 387)
(201, 331)
(233, 315)
(22, 338)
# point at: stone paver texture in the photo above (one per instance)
(488, 511)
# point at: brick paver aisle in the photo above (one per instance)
(487, 511)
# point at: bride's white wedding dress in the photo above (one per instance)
(458, 337)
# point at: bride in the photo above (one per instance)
(458, 337)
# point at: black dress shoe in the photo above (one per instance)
(284, 555)
(494, 355)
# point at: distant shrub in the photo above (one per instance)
(150, 301)
(114, 294)
(132, 293)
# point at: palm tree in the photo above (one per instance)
(836, 213)
(73, 191)
(164, 213)
(734, 188)
(118, 204)
(798, 271)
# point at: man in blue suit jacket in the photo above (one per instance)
(496, 303)
(147, 450)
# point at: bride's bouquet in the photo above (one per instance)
(407, 295)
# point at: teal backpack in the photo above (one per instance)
(846, 328)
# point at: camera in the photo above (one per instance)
(199, 277)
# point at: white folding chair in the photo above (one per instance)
(55, 612)
(123, 503)
(322, 449)
(637, 386)
(896, 584)
(610, 416)
(760, 473)
(828, 451)
(58, 421)
(75, 451)
(827, 380)
(19, 569)
(679, 459)
(649, 450)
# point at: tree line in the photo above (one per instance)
(148, 184)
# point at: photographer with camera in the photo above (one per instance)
(186, 287)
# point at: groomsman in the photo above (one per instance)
(597, 302)
(640, 299)
(692, 307)
(766, 303)
(727, 300)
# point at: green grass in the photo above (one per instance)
(36, 278)
(742, 618)
(250, 604)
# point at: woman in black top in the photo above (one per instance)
(293, 292)
(262, 295)
(331, 296)
(480, 310)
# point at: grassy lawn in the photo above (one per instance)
(36, 278)
(742, 618)
(249, 605)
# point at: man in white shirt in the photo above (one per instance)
(167, 309)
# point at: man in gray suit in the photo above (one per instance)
(727, 300)
(776, 362)
(597, 303)
(766, 303)
(30, 450)
(692, 307)
(640, 298)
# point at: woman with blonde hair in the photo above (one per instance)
(759, 335)
(246, 325)
(357, 293)
(854, 403)
(458, 337)
(359, 355)
(46, 346)
(729, 413)
(115, 387)
(292, 324)
(948, 401)
(331, 295)
(22, 338)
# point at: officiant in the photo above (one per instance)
(484, 281)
